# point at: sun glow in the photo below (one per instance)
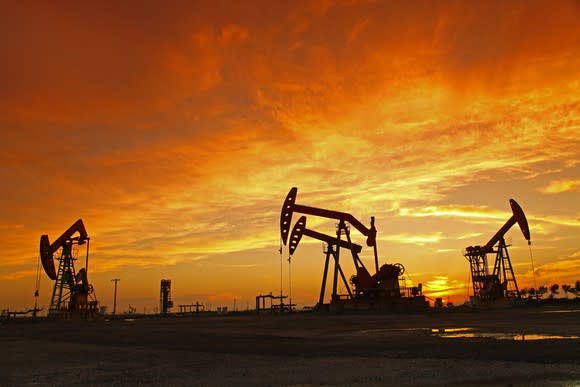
(175, 134)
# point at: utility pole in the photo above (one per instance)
(115, 280)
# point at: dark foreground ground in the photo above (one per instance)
(298, 349)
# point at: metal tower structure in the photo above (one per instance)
(501, 283)
(165, 301)
(65, 284)
(72, 291)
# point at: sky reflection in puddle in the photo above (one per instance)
(450, 330)
(465, 333)
(562, 311)
(370, 332)
(470, 333)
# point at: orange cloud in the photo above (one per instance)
(176, 132)
(234, 33)
(442, 286)
(559, 186)
(456, 211)
(483, 214)
(17, 275)
(560, 270)
(420, 239)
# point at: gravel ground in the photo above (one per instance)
(298, 349)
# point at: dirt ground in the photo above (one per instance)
(297, 349)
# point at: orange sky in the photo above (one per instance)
(175, 132)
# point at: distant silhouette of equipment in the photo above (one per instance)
(501, 283)
(191, 308)
(381, 290)
(72, 293)
(165, 301)
(7, 314)
(279, 307)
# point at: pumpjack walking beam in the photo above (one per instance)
(518, 217)
(290, 207)
(47, 249)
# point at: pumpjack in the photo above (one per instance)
(381, 290)
(72, 293)
(501, 284)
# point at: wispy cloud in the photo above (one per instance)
(175, 133)
(17, 275)
(559, 270)
(455, 211)
(559, 186)
(442, 286)
(416, 239)
(479, 214)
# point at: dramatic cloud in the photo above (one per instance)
(413, 238)
(176, 131)
(442, 286)
(558, 186)
(560, 269)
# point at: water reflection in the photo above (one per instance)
(464, 333)
(562, 311)
(469, 333)
(543, 337)
(450, 330)
(370, 332)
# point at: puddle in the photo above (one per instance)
(544, 337)
(450, 330)
(366, 332)
(562, 311)
(505, 336)
(470, 333)
(465, 333)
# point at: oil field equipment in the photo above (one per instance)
(116, 281)
(382, 290)
(271, 307)
(72, 293)
(501, 283)
(191, 308)
(165, 296)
